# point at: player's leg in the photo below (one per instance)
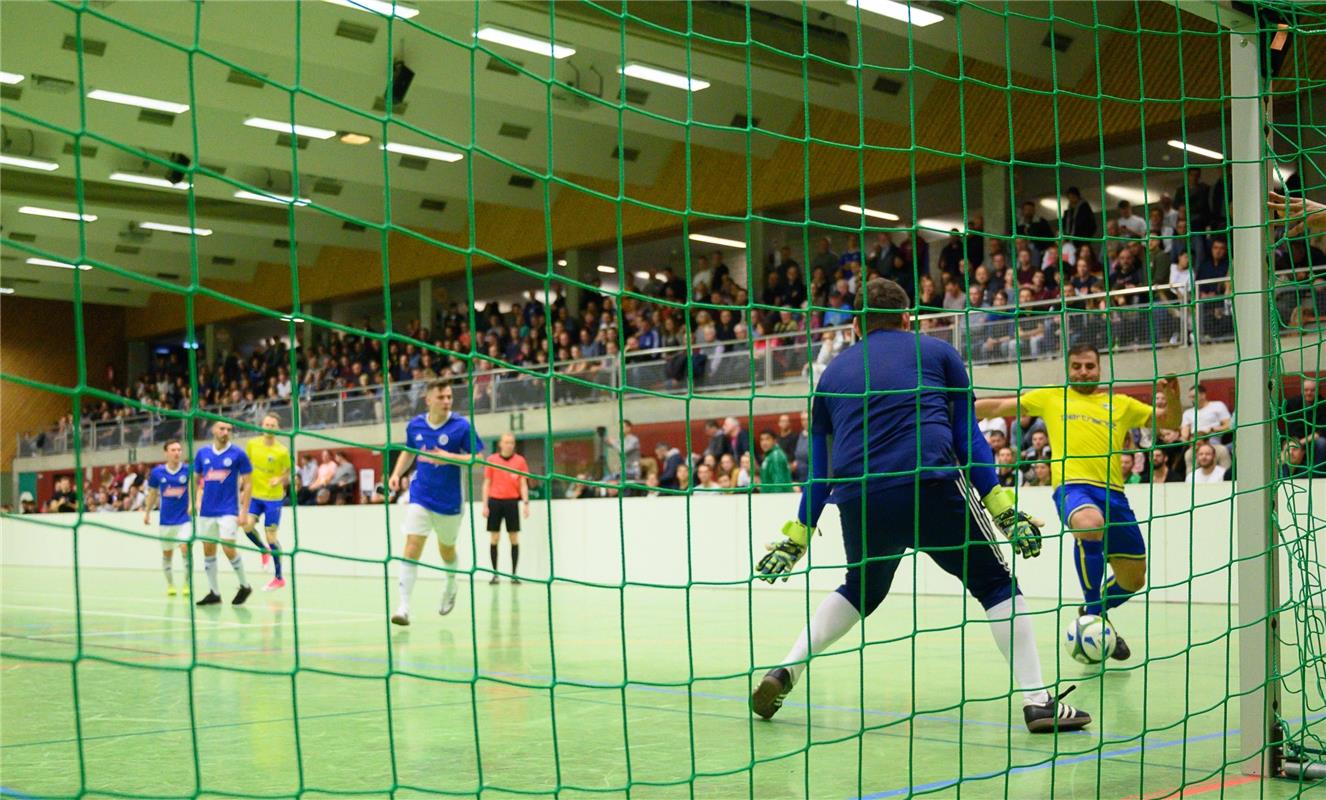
(872, 561)
(186, 559)
(960, 538)
(229, 530)
(207, 530)
(1083, 516)
(409, 568)
(256, 507)
(272, 520)
(494, 535)
(447, 528)
(167, 567)
(513, 537)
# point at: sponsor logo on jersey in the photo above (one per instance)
(174, 491)
(216, 475)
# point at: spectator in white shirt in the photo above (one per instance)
(1129, 223)
(1206, 420)
(1208, 471)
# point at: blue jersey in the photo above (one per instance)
(436, 484)
(918, 422)
(220, 473)
(173, 487)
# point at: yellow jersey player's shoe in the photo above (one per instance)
(170, 590)
(184, 590)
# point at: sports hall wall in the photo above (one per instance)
(644, 540)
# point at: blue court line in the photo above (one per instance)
(7, 792)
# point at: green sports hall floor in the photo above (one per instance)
(140, 737)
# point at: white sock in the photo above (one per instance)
(834, 617)
(451, 576)
(1017, 641)
(209, 567)
(409, 572)
(166, 563)
(237, 563)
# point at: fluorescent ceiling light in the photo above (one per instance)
(1050, 204)
(268, 197)
(642, 275)
(288, 318)
(1133, 195)
(607, 269)
(29, 163)
(383, 7)
(286, 127)
(46, 262)
(656, 75)
(941, 225)
(38, 211)
(700, 237)
(899, 11)
(869, 212)
(1192, 148)
(522, 42)
(561, 262)
(8, 78)
(164, 228)
(147, 180)
(421, 152)
(660, 276)
(350, 137)
(6, 290)
(140, 102)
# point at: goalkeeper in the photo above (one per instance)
(914, 432)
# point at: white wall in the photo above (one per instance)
(645, 540)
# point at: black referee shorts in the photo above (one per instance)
(943, 519)
(499, 510)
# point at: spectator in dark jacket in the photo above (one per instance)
(1079, 222)
(669, 458)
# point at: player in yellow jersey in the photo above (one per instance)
(271, 476)
(1088, 428)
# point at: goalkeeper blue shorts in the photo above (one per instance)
(1123, 537)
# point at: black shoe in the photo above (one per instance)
(1121, 652)
(515, 579)
(1055, 715)
(769, 695)
(211, 599)
(493, 579)
(241, 595)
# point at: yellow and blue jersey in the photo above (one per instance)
(269, 461)
(1087, 432)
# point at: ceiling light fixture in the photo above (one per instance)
(135, 100)
(38, 211)
(604, 268)
(182, 229)
(1192, 148)
(382, 7)
(350, 137)
(522, 42)
(286, 127)
(29, 163)
(268, 197)
(561, 262)
(421, 152)
(1132, 194)
(46, 262)
(288, 318)
(869, 212)
(8, 78)
(148, 180)
(700, 237)
(941, 225)
(899, 11)
(656, 75)
(6, 290)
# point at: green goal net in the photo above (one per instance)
(610, 225)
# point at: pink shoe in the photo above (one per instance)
(276, 583)
(266, 559)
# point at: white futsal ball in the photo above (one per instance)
(1089, 639)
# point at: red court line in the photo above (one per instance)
(1199, 788)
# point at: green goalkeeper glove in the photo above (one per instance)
(783, 556)
(1023, 530)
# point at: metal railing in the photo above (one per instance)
(1132, 319)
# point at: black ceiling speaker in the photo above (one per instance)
(177, 175)
(401, 78)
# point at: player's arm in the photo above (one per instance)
(995, 407)
(148, 504)
(198, 496)
(784, 555)
(524, 492)
(403, 463)
(483, 496)
(283, 475)
(245, 494)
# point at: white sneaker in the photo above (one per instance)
(401, 617)
(448, 599)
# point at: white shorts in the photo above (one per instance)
(223, 528)
(172, 534)
(419, 521)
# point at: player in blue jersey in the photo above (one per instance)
(448, 442)
(170, 483)
(223, 501)
(917, 472)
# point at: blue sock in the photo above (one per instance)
(1115, 595)
(253, 537)
(275, 547)
(1090, 564)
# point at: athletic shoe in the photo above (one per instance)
(170, 590)
(769, 695)
(493, 579)
(242, 595)
(515, 579)
(448, 599)
(1121, 652)
(1055, 715)
(274, 584)
(184, 590)
(401, 617)
(211, 599)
